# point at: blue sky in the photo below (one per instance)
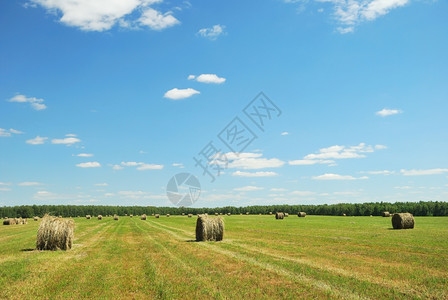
(103, 103)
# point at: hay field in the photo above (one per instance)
(259, 258)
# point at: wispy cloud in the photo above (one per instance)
(414, 172)
(388, 112)
(84, 155)
(35, 103)
(140, 166)
(92, 164)
(248, 188)
(29, 183)
(254, 174)
(284, 133)
(66, 141)
(37, 140)
(331, 176)
(156, 20)
(212, 33)
(207, 78)
(178, 94)
(10, 132)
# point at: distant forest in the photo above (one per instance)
(350, 209)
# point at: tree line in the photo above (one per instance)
(421, 208)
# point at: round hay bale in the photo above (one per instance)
(24, 221)
(157, 216)
(152, 215)
(55, 234)
(183, 214)
(131, 216)
(301, 214)
(100, 217)
(9, 222)
(344, 215)
(116, 218)
(279, 215)
(403, 221)
(229, 214)
(167, 215)
(143, 217)
(36, 218)
(209, 229)
(286, 215)
(5, 218)
(270, 212)
(190, 215)
(385, 214)
(216, 214)
(88, 217)
(125, 215)
(247, 212)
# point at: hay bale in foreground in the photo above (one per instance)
(279, 215)
(403, 221)
(209, 229)
(116, 218)
(55, 234)
(88, 217)
(301, 214)
(157, 216)
(385, 214)
(100, 217)
(143, 217)
(216, 214)
(167, 215)
(190, 215)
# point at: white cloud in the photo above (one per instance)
(350, 13)
(302, 193)
(140, 166)
(29, 183)
(341, 152)
(254, 174)
(380, 147)
(66, 141)
(101, 184)
(284, 133)
(101, 15)
(388, 112)
(71, 135)
(383, 172)
(330, 176)
(180, 165)
(278, 190)
(37, 140)
(4, 189)
(191, 77)
(414, 172)
(93, 164)
(84, 155)
(117, 167)
(5, 183)
(308, 162)
(248, 188)
(256, 163)
(212, 33)
(177, 94)
(156, 20)
(208, 78)
(36, 103)
(8, 133)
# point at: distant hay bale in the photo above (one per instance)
(23, 221)
(88, 217)
(143, 217)
(385, 214)
(247, 212)
(167, 215)
(190, 215)
(216, 214)
(60, 216)
(125, 215)
(9, 222)
(183, 214)
(209, 229)
(36, 218)
(5, 218)
(152, 214)
(403, 221)
(344, 215)
(131, 215)
(229, 214)
(116, 218)
(100, 217)
(17, 220)
(270, 212)
(157, 216)
(301, 214)
(55, 234)
(371, 215)
(286, 215)
(279, 215)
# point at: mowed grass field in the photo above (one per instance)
(260, 258)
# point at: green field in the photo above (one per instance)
(260, 257)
